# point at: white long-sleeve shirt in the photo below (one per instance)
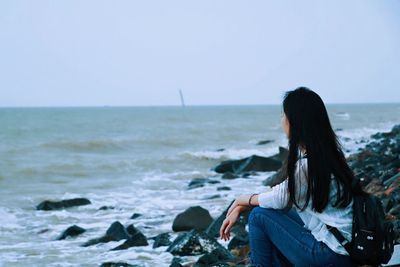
(277, 198)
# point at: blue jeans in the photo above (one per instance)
(279, 238)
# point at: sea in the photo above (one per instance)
(135, 160)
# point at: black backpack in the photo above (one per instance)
(372, 235)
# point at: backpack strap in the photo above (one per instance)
(342, 240)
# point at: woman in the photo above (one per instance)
(287, 225)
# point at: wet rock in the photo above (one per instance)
(131, 242)
(197, 182)
(67, 203)
(274, 179)
(135, 239)
(212, 197)
(135, 215)
(229, 176)
(200, 182)
(71, 231)
(193, 243)
(241, 237)
(162, 240)
(374, 187)
(193, 218)
(106, 208)
(282, 155)
(252, 163)
(115, 232)
(176, 262)
(43, 231)
(217, 257)
(224, 188)
(264, 142)
(392, 179)
(117, 264)
(248, 174)
(395, 210)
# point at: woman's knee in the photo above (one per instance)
(258, 212)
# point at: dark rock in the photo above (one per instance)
(95, 241)
(220, 149)
(115, 232)
(106, 208)
(193, 218)
(67, 203)
(193, 243)
(71, 231)
(282, 155)
(117, 264)
(241, 237)
(131, 242)
(135, 215)
(229, 176)
(274, 179)
(392, 179)
(217, 257)
(395, 210)
(252, 163)
(212, 196)
(374, 187)
(196, 183)
(377, 165)
(135, 239)
(201, 182)
(162, 240)
(264, 142)
(43, 231)
(248, 174)
(224, 188)
(176, 262)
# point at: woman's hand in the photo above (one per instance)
(242, 200)
(227, 224)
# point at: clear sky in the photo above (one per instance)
(84, 53)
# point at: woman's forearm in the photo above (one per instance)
(243, 207)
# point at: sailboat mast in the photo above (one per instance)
(182, 100)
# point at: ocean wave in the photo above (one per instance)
(354, 139)
(88, 145)
(342, 115)
(230, 153)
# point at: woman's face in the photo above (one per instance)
(285, 124)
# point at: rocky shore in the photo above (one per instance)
(377, 165)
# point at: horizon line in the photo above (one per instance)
(193, 105)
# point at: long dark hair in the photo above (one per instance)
(310, 128)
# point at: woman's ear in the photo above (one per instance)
(285, 124)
